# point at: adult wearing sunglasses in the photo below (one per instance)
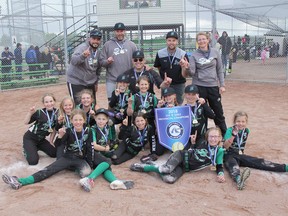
(139, 69)
(167, 61)
(116, 56)
(84, 68)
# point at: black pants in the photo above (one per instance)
(212, 95)
(233, 162)
(99, 158)
(155, 146)
(31, 146)
(80, 165)
(74, 91)
(123, 154)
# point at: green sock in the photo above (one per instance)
(286, 167)
(26, 181)
(109, 175)
(99, 170)
(151, 168)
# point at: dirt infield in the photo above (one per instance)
(195, 193)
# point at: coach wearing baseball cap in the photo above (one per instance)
(167, 61)
(84, 68)
(116, 56)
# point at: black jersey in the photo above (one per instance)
(90, 121)
(135, 139)
(43, 121)
(239, 140)
(77, 144)
(120, 103)
(144, 103)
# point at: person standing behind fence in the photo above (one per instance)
(167, 61)
(84, 69)
(7, 56)
(31, 59)
(206, 70)
(226, 44)
(18, 60)
(116, 57)
(46, 58)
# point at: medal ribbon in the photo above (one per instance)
(104, 135)
(121, 100)
(213, 157)
(68, 125)
(79, 142)
(240, 140)
(136, 76)
(169, 57)
(194, 114)
(142, 135)
(143, 102)
(48, 117)
(121, 47)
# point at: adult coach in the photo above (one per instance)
(167, 61)
(84, 68)
(139, 69)
(116, 57)
(205, 67)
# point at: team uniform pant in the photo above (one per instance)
(214, 99)
(155, 146)
(173, 169)
(123, 154)
(179, 89)
(75, 89)
(31, 146)
(99, 158)
(67, 161)
(234, 161)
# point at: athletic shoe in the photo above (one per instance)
(148, 158)
(138, 167)
(86, 184)
(12, 181)
(244, 176)
(119, 184)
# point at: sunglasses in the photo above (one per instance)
(138, 59)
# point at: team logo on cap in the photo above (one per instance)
(175, 130)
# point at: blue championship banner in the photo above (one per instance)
(173, 126)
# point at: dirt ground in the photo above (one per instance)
(195, 193)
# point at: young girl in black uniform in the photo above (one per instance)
(44, 121)
(200, 111)
(87, 104)
(145, 102)
(235, 143)
(101, 150)
(204, 153)
(134, 138)
(78, 154)
(65, 109)
(169, 98)
(119, 99)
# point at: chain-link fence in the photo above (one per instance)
(257, 54)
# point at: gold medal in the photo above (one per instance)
(50, 130)
(143, 111)
(194, 121)
(80, 153)
(240, 152)
(122, 111)
(213, 168)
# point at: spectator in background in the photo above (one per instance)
(226, 45)
(31, 59)
(39, 58)
(277, 49)
(18, 60)
(46, 58)
(116, 57)
(6, 58)
(144, 4)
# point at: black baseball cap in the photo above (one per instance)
(119, 26)
(191, 89)
(96, 34)
(168, 91)
(123, 78)
(172, 34)
(103, 111)
(138, 54)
